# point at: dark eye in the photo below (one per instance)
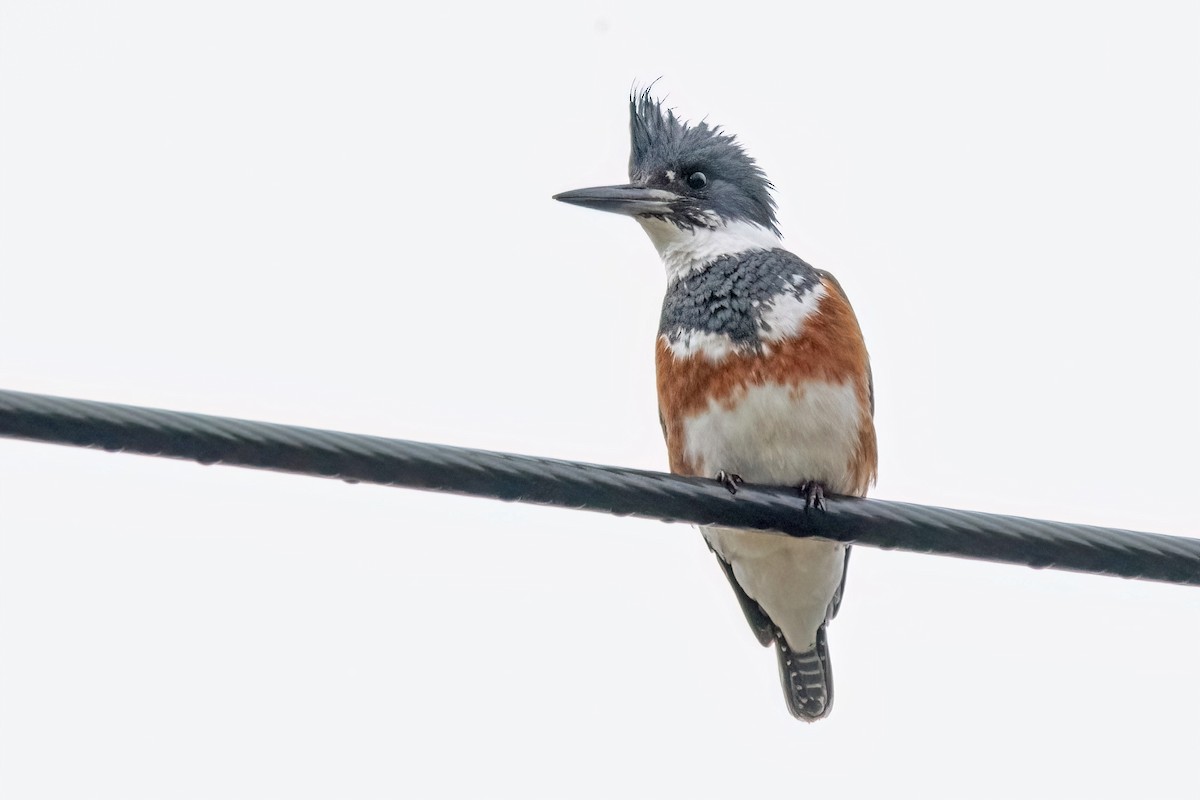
(697, 180)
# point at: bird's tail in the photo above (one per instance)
(806, 677)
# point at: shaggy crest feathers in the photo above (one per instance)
(661, 142)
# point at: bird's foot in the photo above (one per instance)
(813, 493)
(730, 481)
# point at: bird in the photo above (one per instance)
(761, 370)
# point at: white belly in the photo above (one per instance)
(792, 579)
(781, 435)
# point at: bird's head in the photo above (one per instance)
(690, 176)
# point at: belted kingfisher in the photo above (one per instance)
(762, 374)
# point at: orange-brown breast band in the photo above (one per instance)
(829, 348)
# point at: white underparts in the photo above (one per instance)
(778, 434)
(686, 250)
(781, 435)
(792, 579)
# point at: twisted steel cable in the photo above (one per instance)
(653, 495)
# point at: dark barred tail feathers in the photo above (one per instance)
(806, 677)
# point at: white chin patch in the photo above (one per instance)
(684, 251)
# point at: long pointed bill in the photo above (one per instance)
(630, 199)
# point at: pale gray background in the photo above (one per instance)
(339, 215)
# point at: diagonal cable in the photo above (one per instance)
(653, 495)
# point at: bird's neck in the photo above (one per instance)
(686, 251)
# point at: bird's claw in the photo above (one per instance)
(813, 493)
(730, 481)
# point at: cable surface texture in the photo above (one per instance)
(653, 495)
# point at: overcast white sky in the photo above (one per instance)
(339, 215)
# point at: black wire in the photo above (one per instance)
(654, 495)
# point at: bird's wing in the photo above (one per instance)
(828, 276)
(836, 603)
(760, 623)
